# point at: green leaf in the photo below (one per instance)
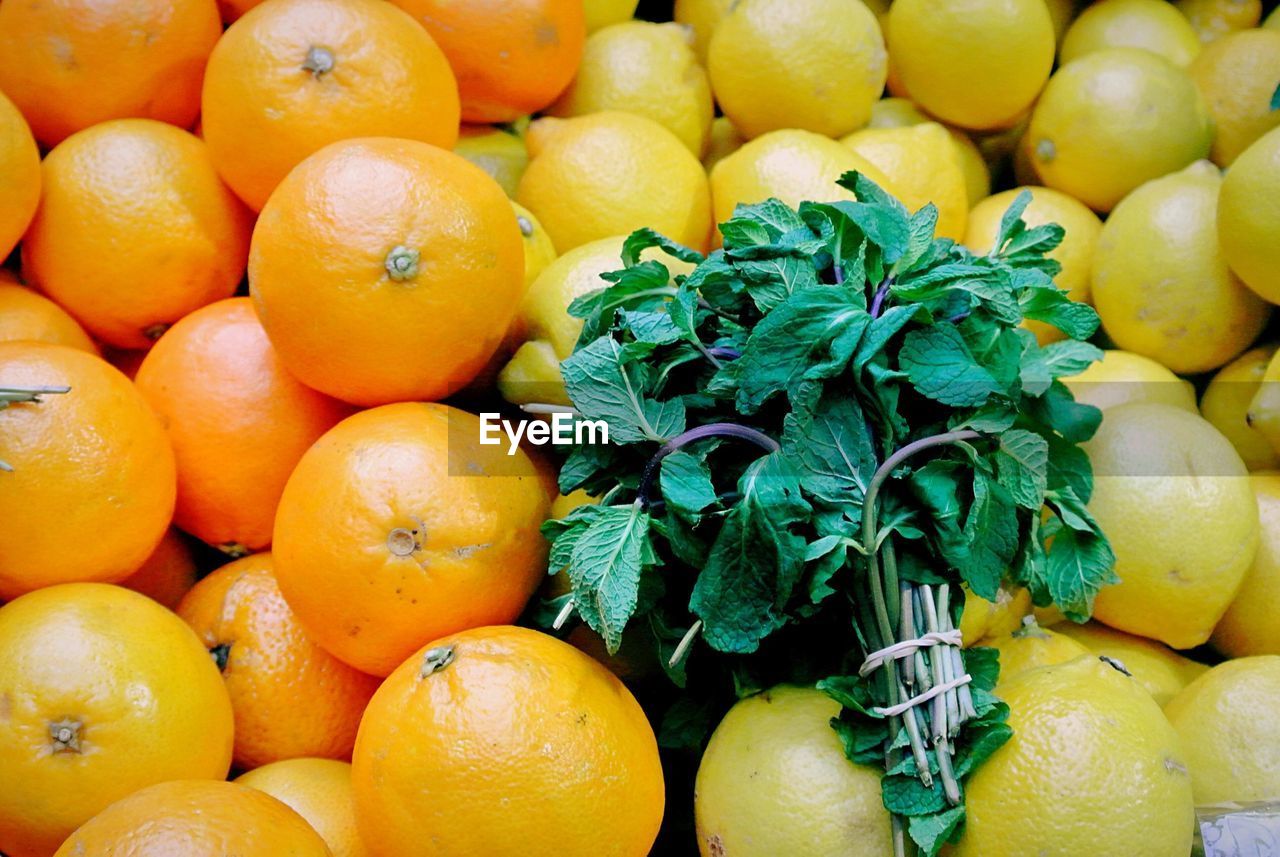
(755, 561)
(1011, 221)
(642, 239)
(1076, 320)
(991, 528)
(604, 384)
(605, 568)
(940, 366)
(1058, 410)
(933, 831)
(883, 328)
(655, 328)
(937, 485)
(832, 451)
(686, 484)
(904, 794)
(810, 335)
(771, 281)
(1079, 564)
(1022, 467)
(1042, 365)
(1275, 99)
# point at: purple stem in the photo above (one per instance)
(711, 430)
(724, 352)
(877, 302)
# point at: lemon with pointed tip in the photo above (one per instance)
(611, 173)
(818, 65)
(1160, 283)
(1249, 626)
(1152, 25)
(790, 165)
(977, 64)
(896, 112)
(1183, 523)
(1249, 216)
(1075, 254)
(921, 164)
(648, 69)
(1237, 75)
(1160, 670)
(1032, 646)
(1226, 404)
(701, 16)
(1092, 760)
(1122, 378)
(1212, 19)
(981, 619)
(500, 152)
(723, 141)
(1114, 119)
(774, 780)
(1227, 721)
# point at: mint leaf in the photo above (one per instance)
(991, 528)
(941, 367)
(931, 832)
(686, 484)
(1076, 320)
(770, 281)
(938, 486)
(604, 384)
(1079, 564)
(605, 567)
(832, 451)
(1275, 99)
(1022, 467)
(1043, 365)
(1011, 223)
(655, 328)
(643, 239)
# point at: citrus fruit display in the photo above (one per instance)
(569, 762)
(1245, 628)
(1234, 75)
(1228, 404)
(1247, 212)
(397, 526)
(168, 574)
(420, 296)
(320, 791)
(895, 112)
(19, 175)
(75, 738)
(1160, 671)
(1122, 378)
(498, 150)
(72, 65)
(982, 619)
(196, 818)
(237, 420)
(289, 78)
(1212, 19)
(1152, 25)
(923, 166)
(290, 697)
(64, 474)
(1031, 646)
(134, 230)
(25, 314)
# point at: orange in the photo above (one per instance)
(237, 420)
(168, 574)
(105, 692)
(135, 230)
(386, 270)
(196, 818)
(398, 526)
(19, 176)
(293, 76)
(290, 697)
(320, 791)
(92, 483)
(75, 63)
(26, 314)
(511, 57)
(505, 742)
(231, 10)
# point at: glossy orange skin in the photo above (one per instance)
(196, 818)
(237, 420)
(511, 57)
(137, 695)
(398, 527)
(135, 230)
(319, 276)
(27, 314)
(320, 791)
(168, 574)
(19, 175)
(291, 698)
(263, 112)
(74, 63)
(93, 482)
(518, 746)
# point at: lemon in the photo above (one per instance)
(611, 173)
(1122, 378)
(1093, 767)
(774, 781)
(602, 13)
(1114, 119)
(921, 164)
(1273, 20)
(1249, 216)
(1169, 495)
(1075, 253)
(818, 65)
(545, 326)
(1024, 165)
(790, 165)
(1152, 25)
(701, 16)
(981, 619)
(1237, 75)
(647, 69)
(1160, 670)
(1213, 18)
(895, 112)
(1228, 723)
(499, 152)
(1061, 12)
(539, 252)
(1226, 403)
(1249, 626)
(977, 64)
(1263, 412)
(1160, 283)
(1032, 646)
(724, 140)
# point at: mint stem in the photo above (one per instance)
(734, 430)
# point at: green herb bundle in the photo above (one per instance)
(817, 435)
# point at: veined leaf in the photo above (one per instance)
(940, 366)
(604, 385)
(605, 567)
